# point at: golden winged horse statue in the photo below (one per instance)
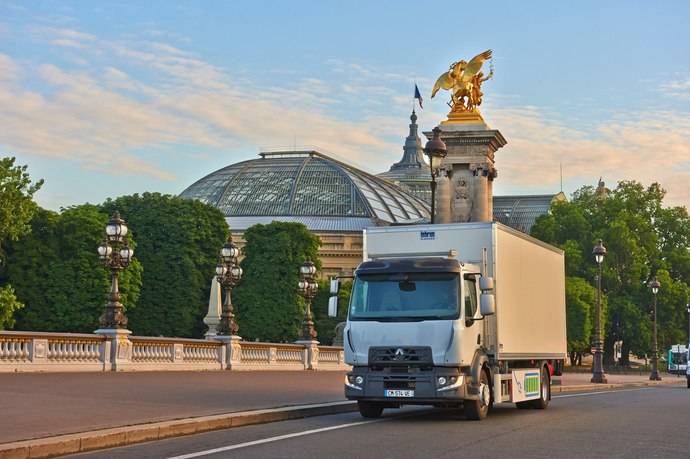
(464, 80)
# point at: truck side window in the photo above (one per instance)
(470, 298)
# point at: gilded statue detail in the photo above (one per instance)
(464, 81)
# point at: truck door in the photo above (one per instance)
(472, 333)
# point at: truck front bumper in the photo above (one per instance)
(438, 385)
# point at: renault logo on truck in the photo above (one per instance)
(399, 353)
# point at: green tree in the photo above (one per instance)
(16, 209)
(178, 241)
(579, 300)
(643, 239)
(57, 274)
(268, 305)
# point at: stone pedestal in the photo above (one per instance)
(471, 168)
(117, 353)
(311, 354)
(233, 351)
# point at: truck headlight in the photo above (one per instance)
(442, 381)
(359, 380)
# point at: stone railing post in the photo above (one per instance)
(178, 352)
(311, 354)
(119, 356)
(39, 350)
(233, 350)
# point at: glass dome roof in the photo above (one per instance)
(305, 184)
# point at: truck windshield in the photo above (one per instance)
(405, 297)
(679, 359)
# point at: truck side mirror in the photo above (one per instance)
(487, 304)
(335, 286)
(333, 306)
(486, 283)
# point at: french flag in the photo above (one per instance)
(418, 95)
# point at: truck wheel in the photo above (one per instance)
(688, 383)
(544, 392)
(370, 409)
(476, 410)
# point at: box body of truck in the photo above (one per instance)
(446, 356)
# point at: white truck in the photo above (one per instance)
(466, 314)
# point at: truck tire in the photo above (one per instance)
(544, 391)
(689, 383)
(370, 409)
(476, 410)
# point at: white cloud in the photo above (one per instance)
(94, 115)
(105, 117)
(9, 69)
(647, 147)
(679, 88)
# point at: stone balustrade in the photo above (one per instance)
(109, 350)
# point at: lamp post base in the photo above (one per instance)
(654, 376)
(598, 378)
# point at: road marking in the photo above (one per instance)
(613, 391)
(352, 424)
(273, 439)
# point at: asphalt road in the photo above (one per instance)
(34, 405)
(631, 423)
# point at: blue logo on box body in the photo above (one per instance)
(427, 235)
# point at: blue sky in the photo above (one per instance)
(109, 98)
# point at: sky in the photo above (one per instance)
(103, 99)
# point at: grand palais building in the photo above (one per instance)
(336, 201)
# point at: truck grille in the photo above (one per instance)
(393, 356)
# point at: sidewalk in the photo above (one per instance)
(35, 405)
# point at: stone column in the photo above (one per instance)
(480, 211)
(443, 197)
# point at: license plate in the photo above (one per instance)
(399, 393)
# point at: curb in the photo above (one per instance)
(123, 436)
(129, 435)
(611, 386)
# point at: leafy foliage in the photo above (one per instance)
(16, 209)
(267, 303)
(58, 276)
(643, 239)
(178, 241)
(325, 325)
(16, 199)
(8, 305)
(579, 299)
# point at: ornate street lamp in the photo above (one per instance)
(435, 148)
(307, 288)
(116, 255)
(228, 273)
(654, 376)
(598, 375)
